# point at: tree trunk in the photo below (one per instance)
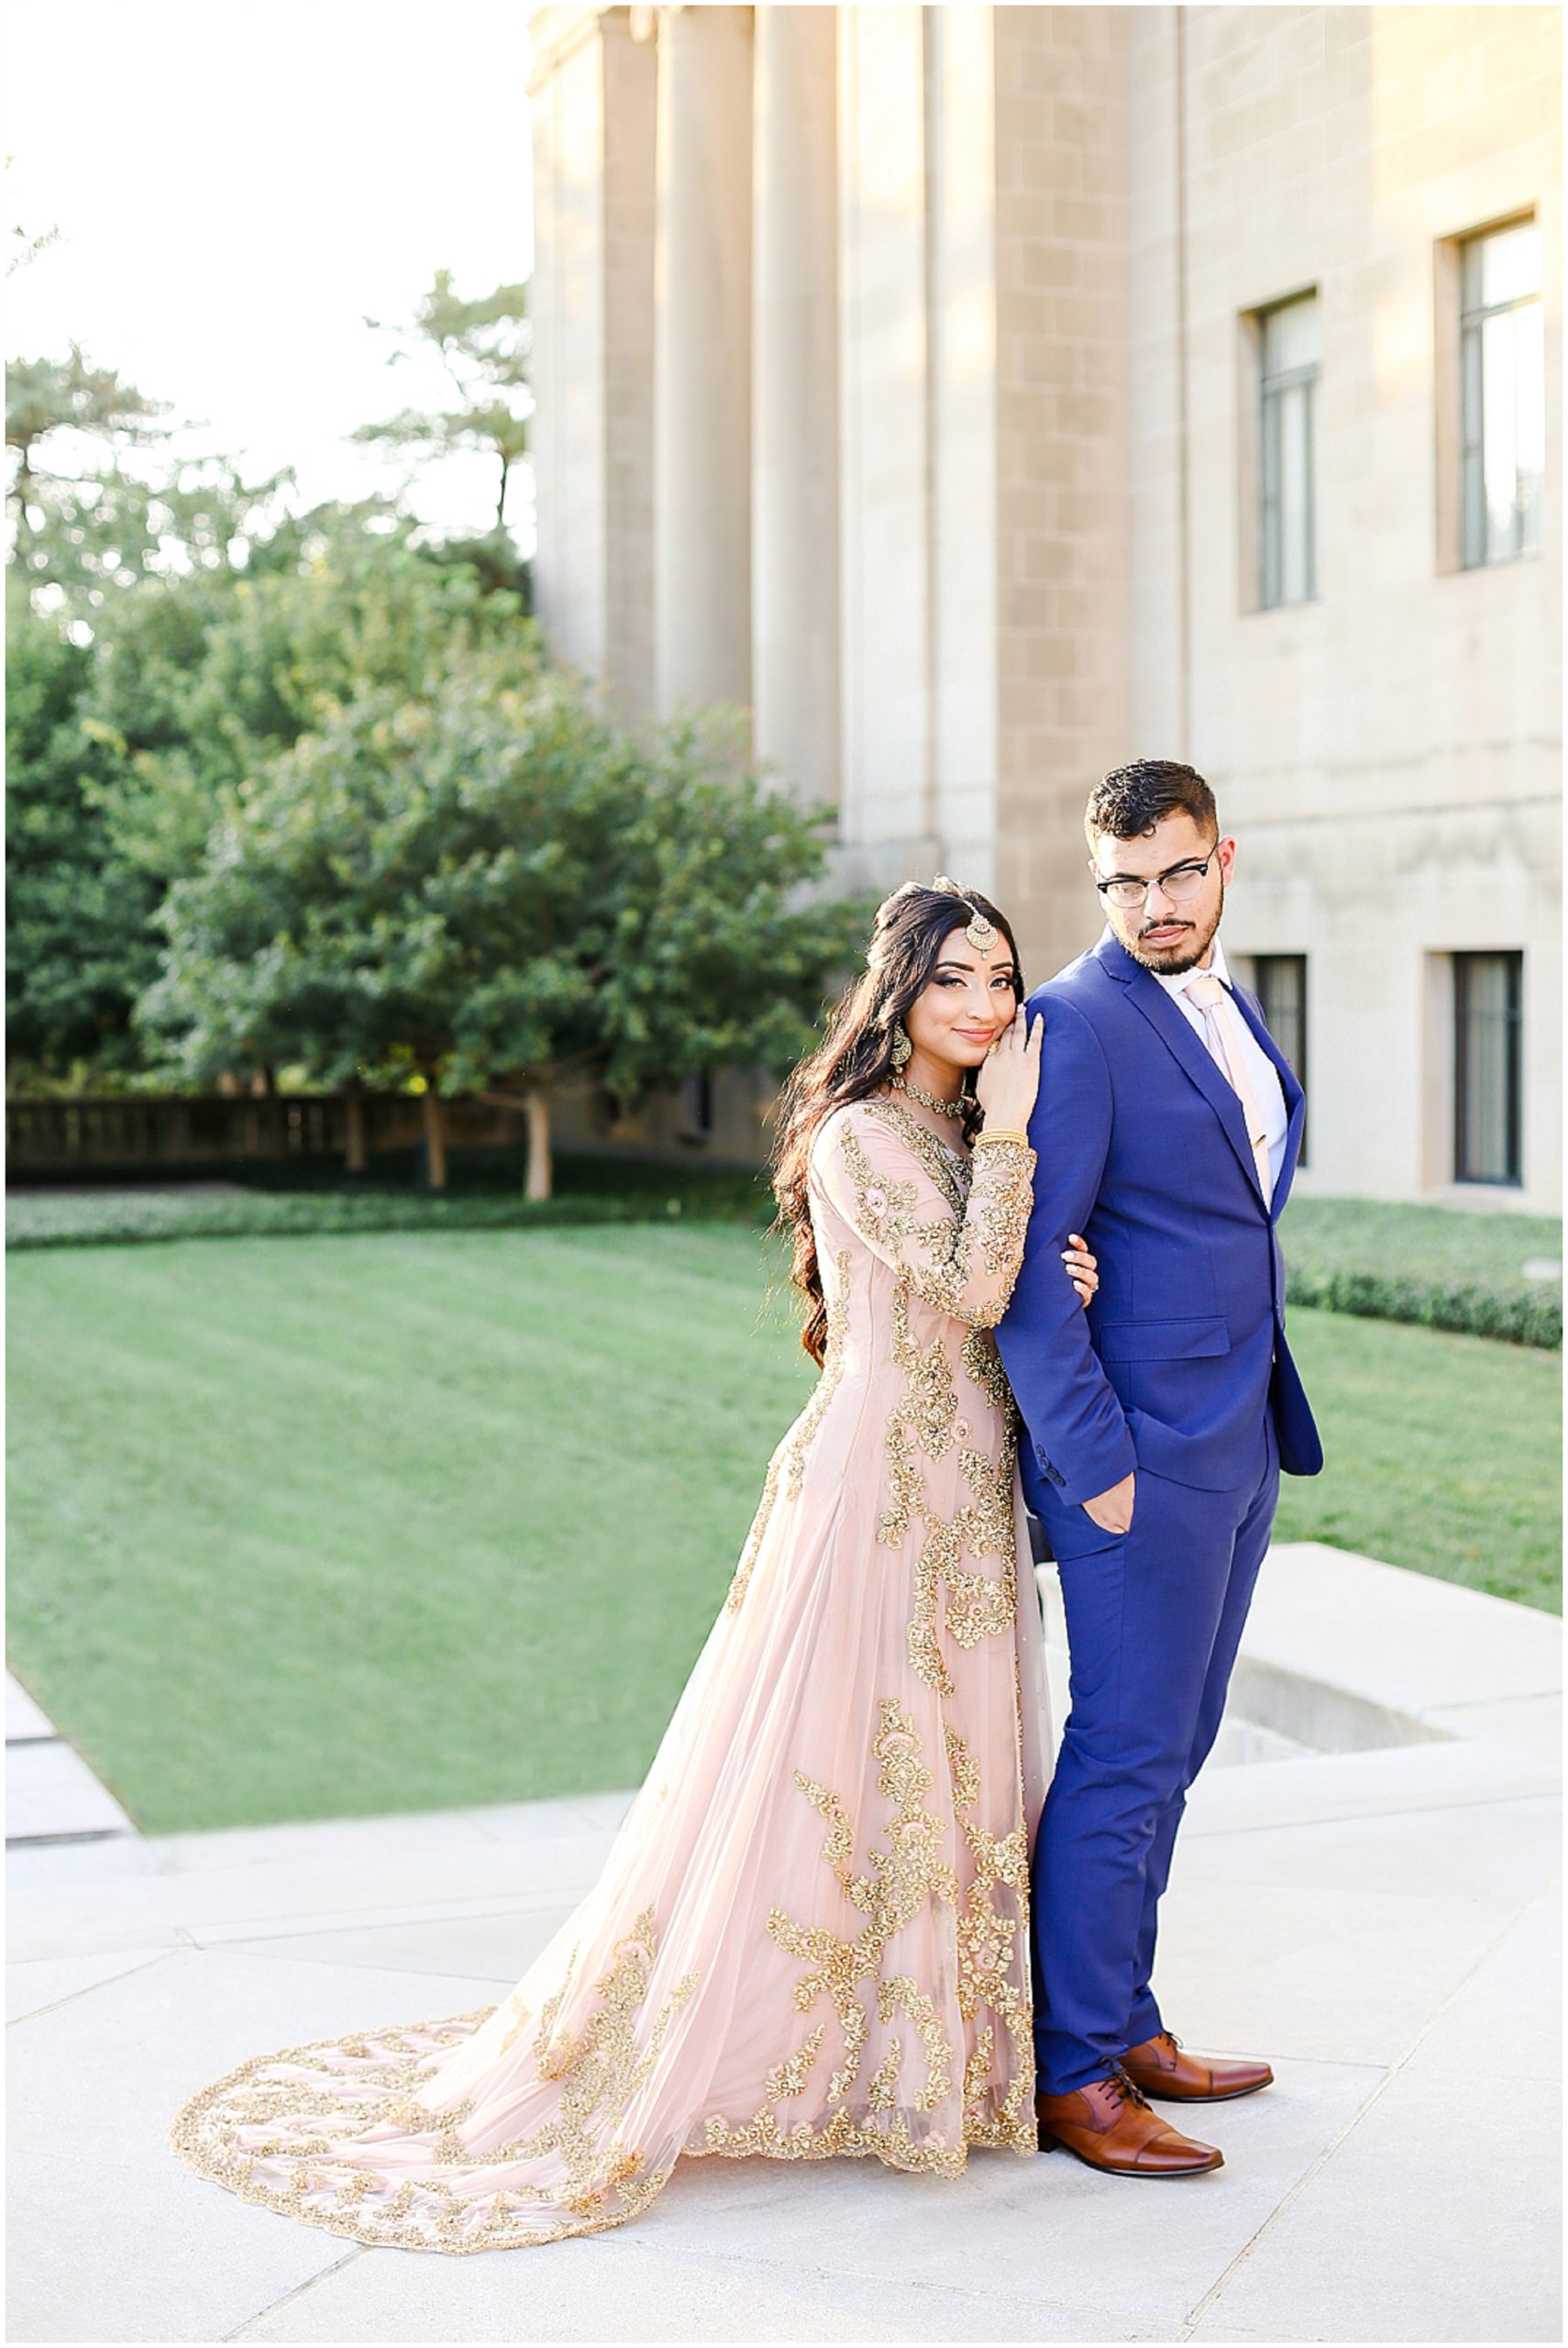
(539, 1182)
(501, 501)
(354, 1103)
(434, 1137)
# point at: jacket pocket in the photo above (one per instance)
(1189, 1340)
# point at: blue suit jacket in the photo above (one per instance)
(1141, 1145)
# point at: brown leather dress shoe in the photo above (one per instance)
(1163, 2067)
(1109, 2125)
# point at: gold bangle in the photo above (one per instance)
(998, 1132)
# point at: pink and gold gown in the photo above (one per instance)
(811, 1936)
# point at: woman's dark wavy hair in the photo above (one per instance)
(856, 1057)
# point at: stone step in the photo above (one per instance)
(26, 1721)
(52, 1796)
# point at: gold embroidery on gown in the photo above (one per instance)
(812, 1935)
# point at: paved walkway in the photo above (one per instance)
(1377, 1912)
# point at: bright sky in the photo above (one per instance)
(237, 188)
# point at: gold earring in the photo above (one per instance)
(903, 1047)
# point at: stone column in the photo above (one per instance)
(885, 444)
(795, 552)
(965, 522)
(1061, 492)
(702, 363)
(629, 65)
(591, 299)
(566, 301)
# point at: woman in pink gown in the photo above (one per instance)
(811, 1935)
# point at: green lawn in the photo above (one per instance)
(1444, 1452)
(393, 1521)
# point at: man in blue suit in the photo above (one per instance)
(1156, 1427)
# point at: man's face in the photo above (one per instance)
(1167, 933)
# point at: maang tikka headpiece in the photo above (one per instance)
(980, 933)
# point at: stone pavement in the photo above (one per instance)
(1366, 1894)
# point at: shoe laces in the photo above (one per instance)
(1125, 2089)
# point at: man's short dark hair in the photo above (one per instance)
(1130, 801)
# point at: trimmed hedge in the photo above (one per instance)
(1521, 1317)
(484, 1193)
(1437, 1268)
(1442, 1268)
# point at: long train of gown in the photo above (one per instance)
(811, 1936)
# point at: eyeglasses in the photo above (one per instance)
(1180, 884)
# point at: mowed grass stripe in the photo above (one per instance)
(393, 1521)
(376, 1523)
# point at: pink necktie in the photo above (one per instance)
(1205, 989)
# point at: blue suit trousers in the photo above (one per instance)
(1154, 1618)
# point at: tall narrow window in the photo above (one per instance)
(696, 1108)
(1502, 394)
(1290, 358)
(1487, 999)
(1279, 982)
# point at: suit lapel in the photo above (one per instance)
(1170, 1025)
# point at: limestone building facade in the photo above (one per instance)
(981, 396)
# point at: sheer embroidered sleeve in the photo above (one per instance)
(893, 1183)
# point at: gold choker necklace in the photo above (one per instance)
(929, 1100)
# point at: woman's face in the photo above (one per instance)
(965, 1004)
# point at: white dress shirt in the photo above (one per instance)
(1260, 1070)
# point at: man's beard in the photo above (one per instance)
(1171, 961)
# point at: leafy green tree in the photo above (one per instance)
(46, 398)
(484, 347)
(80, 542)
(495, 890)
(80, 944)
(24, 245)
(721, 952)
(188, 631)
(203, 693)
(168, 632)
(51, 395)
(358, 605)
(118, 587)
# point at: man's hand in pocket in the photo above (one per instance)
(1113, 1511)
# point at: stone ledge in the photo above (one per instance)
(1342, 1654)
(1401, 1643)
